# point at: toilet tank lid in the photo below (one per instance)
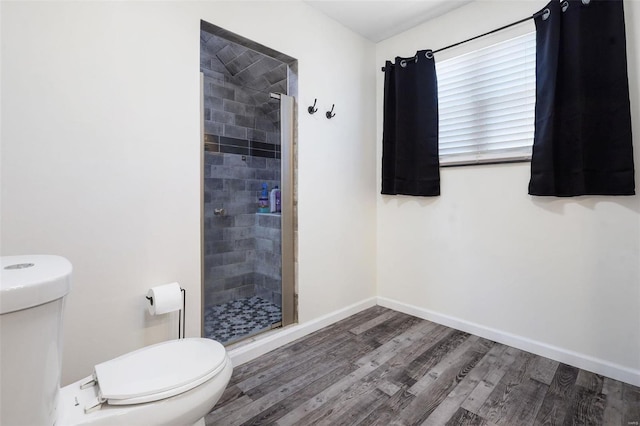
(159, 368)
(32, 280)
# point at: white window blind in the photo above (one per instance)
(486, 102)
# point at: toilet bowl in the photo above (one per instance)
(171, 383)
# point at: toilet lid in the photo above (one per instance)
(159, 371)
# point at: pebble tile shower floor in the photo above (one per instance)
(240, 318)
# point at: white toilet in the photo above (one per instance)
(171, 383)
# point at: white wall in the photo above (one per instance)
(562, 273)
(101, 156)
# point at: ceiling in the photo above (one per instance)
(379, 20)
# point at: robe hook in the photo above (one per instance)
(330, 114)
(312, 109)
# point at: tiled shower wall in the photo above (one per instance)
(241, 248)
(268, 277)
(237, 83)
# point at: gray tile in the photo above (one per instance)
(257, 162)
(221, 221)
(212, 77)
(273, 283)
(273, 163)
(244, 121)
(211, 184)
(223, 117)
(239, 281)
(235, 131)
(267, 233)
(215, 43)
(243, 61)
(276, 74)
(229, 52)
(214, 102)
(265, 174)
(235, 107)
(263, 293)
(245, 220)
(238, 172)
(221, 246)
(255, 185)
(243, 96)
(266, 125)
(221, 171)
(274, 117)
(211, 158)
(235, 161)
(210, 246)
(279, 87)
(229, 295)
(221, 92)
(234, 257)
(269, 221)
(232, 234)
(218, 66)
(213, 128)
(213, 260)
(264, 244)
(218, 198)
(213, 234)
(234, 184)
(212, 286)
(257, 135)
(258, 279)
(261, 98)
(260, 84)
(273, 137)
(244, 244)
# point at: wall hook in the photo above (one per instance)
(312, 109)
(330, 114)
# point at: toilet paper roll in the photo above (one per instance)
(165, 298)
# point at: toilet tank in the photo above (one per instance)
(32, 293)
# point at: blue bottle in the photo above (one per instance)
(263, 200)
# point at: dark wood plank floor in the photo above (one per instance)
(381, 367)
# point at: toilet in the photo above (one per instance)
(170, 383)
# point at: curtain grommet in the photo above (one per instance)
(586, 2)
(545, 14)
(565, 6)
(428, 54)
(403, 63)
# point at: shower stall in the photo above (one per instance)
(248, 133)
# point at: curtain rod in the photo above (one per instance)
(544, 13)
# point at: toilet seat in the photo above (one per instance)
(159, 371)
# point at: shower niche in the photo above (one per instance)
(248, 93)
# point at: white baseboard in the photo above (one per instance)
(247, 350)
(585, 362)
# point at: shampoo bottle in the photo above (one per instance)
(273, 205)
(272, 200)
(263, 200)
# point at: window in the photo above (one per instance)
(486, 102)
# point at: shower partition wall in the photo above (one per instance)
(248, 272)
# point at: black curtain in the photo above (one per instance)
(410, 163)
(582, 143)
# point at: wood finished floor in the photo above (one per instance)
(381, 367)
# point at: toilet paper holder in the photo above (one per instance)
(182, 313)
